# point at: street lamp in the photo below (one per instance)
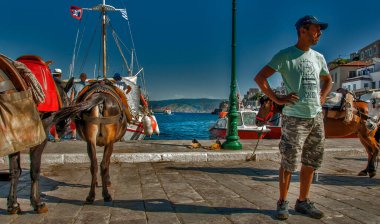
(232, 138)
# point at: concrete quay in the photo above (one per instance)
(66, 152)
(217, 192)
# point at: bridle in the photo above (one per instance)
(269, 115)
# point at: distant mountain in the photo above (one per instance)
(187, 105)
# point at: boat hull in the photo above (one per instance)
(134, 132)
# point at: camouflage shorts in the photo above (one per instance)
(306, 134)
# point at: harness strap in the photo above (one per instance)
(269, 115)
(102, 120)
(101, 89)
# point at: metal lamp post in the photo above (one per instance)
(232, 138)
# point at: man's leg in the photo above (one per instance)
(312, 156)
(306, 178)
(284, 182)
(290, 143)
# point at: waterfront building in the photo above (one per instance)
(363, 80)
(368, 52)
(341, 72)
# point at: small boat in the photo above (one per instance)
(167, 111)
(247, 128)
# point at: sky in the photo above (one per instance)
(185, 45)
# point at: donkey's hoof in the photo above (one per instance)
(14, 210)
(372, 174)
(363, 173)
(108, 198)
(90, 200)
(42, 208)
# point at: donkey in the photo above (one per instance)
(36, 151)
(337, 128)
(101, 115)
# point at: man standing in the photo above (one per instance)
(78, 87)
(119, 83)
(57, 75)
(73, 97)
(302, 69)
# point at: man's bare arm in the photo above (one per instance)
(326, 87)
(262, 81)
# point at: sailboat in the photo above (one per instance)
(132, 72)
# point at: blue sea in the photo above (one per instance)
(183, 126)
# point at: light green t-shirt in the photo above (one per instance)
(300, 71)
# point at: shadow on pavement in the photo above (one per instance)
(46, 184)
(164, 205)
(353, 159)
(272, 175)
(148, 205)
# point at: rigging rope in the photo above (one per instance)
(77, 46)
(117, 39)
(88, 49)
(134, 48)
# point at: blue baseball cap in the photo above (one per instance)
(117, 76)
(306, 20)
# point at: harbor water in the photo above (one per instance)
(183, 126)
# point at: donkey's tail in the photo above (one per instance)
(73, 110)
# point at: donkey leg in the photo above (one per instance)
(369, 154)
(35, 170)
(371, 164)
(364, 172)
(108, 149)
(91, 151)
(15, 172)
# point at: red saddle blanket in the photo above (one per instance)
(44, 77)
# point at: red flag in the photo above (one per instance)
(76, 12)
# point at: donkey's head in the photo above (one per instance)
(266, 111)
(62, 90)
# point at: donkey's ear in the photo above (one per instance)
(48, 63)
(69, 84)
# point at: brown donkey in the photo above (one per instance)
(337, 128)
(101, 117)
(19, 85)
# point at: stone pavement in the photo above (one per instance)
(198, 192)
(173, 150)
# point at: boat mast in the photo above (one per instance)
(131, 70)
(103, 8)
(104, 32)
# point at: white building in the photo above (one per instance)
(363, 79)
(340, 73)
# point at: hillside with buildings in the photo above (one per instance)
(186, 105)
(360, 73)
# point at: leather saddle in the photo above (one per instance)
(107, 87)
(10, 79)
(339, 105)
(20, 123)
